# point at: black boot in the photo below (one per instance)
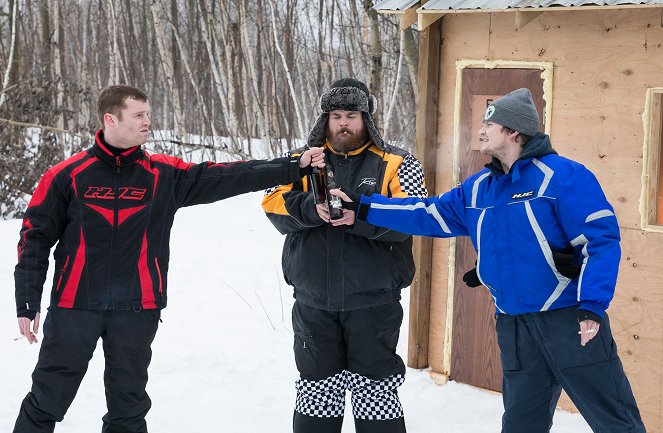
(396, 425)
(312, 424)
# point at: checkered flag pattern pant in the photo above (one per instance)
(371, 399)
(375, 399)
(322, 398)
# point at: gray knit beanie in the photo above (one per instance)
(347, 94)
(515, 110)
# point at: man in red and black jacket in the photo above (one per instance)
(110, 209)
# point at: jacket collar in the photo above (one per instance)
(352, 152)
(538, 145)
(102, 150)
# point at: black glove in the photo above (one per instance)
(305, 171)
(29, 314)
(588, 315)
(471, 278)
(354, 196)
(566, 263)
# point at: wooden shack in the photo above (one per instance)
(596, 73)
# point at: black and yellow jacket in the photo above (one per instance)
(347, 267)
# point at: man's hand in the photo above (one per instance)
(350, 204)
(588, 330)
(323, 211)
(315, 157)
(350, 198)
(348, 219)
(24, 328)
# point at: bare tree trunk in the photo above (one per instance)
(45, 48)
(190, 73)
(229, 50)
(167, 63)
(411, 53)
(375, 70)
(11, 73)
(220, 80)
(114, 69)
(287, 73)
(256, 99)
(57, 65)
(331, 58)
(397, 81)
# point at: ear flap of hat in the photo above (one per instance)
(318, 134)
(372, 130)
(372, 104)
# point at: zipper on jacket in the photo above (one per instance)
(64, 269)
(111, 288)
(346, 181)
(156, 262)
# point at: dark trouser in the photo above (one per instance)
(70, 337)
(541, 354)
(355, 350)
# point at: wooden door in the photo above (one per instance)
(474, 352)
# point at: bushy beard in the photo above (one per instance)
(344, 143)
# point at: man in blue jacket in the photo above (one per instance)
(553, 331)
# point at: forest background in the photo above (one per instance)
(240, 76)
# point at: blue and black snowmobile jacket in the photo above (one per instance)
(516, 220)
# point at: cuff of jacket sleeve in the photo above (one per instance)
(362, 210)
(588, 315)
(294, 170)
(28, 314)
(592, 307)
(29, 311)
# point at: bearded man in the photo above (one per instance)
(347, 276)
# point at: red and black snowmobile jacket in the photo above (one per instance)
(111, 217)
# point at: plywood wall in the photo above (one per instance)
(603, 63)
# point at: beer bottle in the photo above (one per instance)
(318, 181)
(333, 202)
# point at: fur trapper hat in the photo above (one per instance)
(346, 94)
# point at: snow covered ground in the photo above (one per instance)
(223, 354)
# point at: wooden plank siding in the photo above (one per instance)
(604, 62)
(430, 42)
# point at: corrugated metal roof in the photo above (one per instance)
(512, 4)
(395, 5)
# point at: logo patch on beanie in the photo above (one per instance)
(489, 112)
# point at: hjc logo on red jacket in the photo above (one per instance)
(107, 193)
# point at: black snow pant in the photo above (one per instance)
(348, 350)
(70, 337)
(541, 354)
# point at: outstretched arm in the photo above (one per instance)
(441, 216)
(209, 182)
(406, 181)
(291, 207)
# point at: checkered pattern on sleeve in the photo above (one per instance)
(268, 191)
(411, 177)
(322, 398)
(375, 399)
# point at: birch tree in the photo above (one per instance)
(11, 71)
